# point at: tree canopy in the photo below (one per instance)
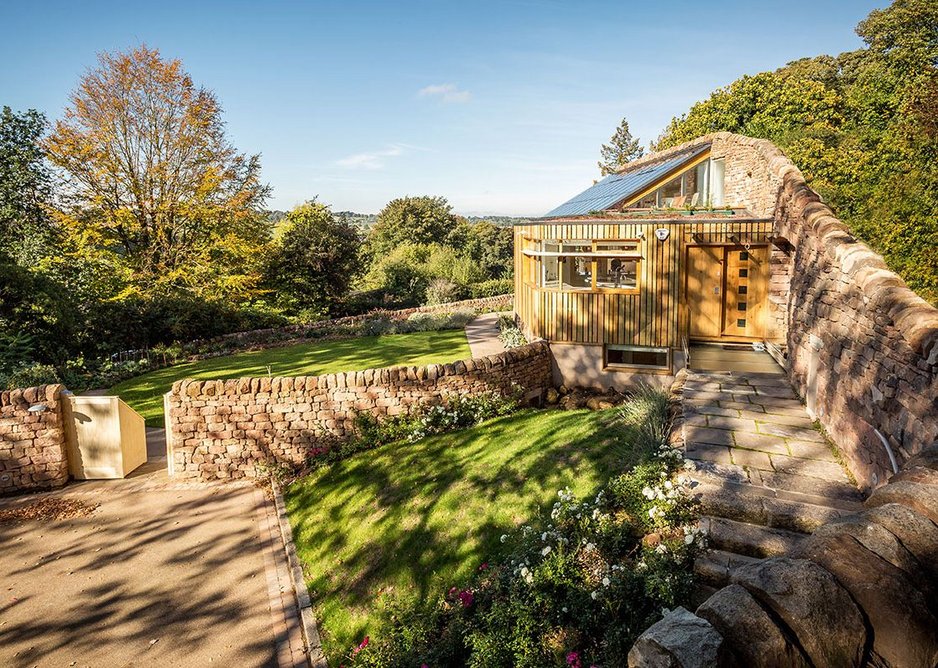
(149, 170)
(862, 126)
(315, 259)
(620, 150)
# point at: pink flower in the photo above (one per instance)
(573, 660)
(362, 645)
(466, 597)
(484, 567)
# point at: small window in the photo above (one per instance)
(637, 356)
(741, 306)
(744, 273)
(741, 323)
(743, 256)
(742, 289)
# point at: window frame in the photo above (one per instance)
(613, 366)
(538, 255)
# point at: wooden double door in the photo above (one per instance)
(727, 288)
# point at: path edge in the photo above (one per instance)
(314, 653)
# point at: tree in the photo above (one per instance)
(862, 128)
(413, 220)
(149, 169)
(314, 260)
(621, 149)
(25, 185)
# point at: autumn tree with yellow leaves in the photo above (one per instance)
(149, 173)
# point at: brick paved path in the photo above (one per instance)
(766, 477)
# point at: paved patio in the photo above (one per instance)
(158, 574)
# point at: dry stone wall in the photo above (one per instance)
(280, 335)
(224, 429)
(862, 347)
(32, 445)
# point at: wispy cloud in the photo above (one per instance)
(447, 92)
(372, 160)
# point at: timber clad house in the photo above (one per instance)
(678, 248)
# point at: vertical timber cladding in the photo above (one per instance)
(657, 315)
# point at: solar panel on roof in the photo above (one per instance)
(617, 187)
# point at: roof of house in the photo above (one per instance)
(628, 183)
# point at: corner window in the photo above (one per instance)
(637, 356)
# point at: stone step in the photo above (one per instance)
(750, 540)
(759, 505)
(713, 567)
(806, 489)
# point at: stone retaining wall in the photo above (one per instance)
(862, 347)
(32, 445)
(224, 429)
(860, 592)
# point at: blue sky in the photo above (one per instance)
(500, 107)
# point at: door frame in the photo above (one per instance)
(685, 302)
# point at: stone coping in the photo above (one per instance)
(342, 379)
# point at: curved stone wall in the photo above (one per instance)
(862, 348)
(224, 429)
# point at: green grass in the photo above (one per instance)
(145, 393)
(412, 520)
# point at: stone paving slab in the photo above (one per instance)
(160, 574)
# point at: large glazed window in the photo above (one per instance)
(698, 187)
(585, 265)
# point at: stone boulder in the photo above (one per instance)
(920, 497)
(750, 634)
(811, 603)
(875, 538)
(679, 640)
(904, 630)
(918, 534)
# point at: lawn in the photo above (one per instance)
(412, 520)
(145, 393)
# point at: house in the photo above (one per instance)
(675, 249)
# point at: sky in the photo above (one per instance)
(501, 107)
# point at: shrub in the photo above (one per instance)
(442, 291)
(30, 376)
(509, 333)
(492, 288)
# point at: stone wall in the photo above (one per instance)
(32, 445)
(859, 592)
(862, 348)
(223, 429)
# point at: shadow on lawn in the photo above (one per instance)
(429, 513)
